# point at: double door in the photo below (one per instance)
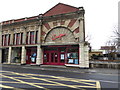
(54, 58)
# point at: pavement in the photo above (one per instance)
(68, 69)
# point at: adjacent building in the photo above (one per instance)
(111, 52)
(95, 54)
(56, 37)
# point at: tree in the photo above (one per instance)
(110, 49)
(117, 38)
(114, 45)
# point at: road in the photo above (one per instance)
(30, 77)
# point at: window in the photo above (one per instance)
(2, 40)
(72, 56)
(9, 39)
(14, 39)
(17, 38)
(6, 40)
(51, 49)
(62, 57)
(27, 37)
(36, 36)
(32, 38)
(21, 38)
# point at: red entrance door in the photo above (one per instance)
(30, 55)
(54, 58)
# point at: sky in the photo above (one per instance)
(101, 16)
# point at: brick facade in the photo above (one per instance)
(64, 23)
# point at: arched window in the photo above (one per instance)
(60, 35)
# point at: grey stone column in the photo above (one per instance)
(39, 49)
(20, 39)
(24, 35)
(39, 55)
(82, 50)
(86, 56)
(23, 55)
(15, 39)
(34, 36)
(82, 30)
(28, 38)
(39, 33)
(11, 38)
(9, 55)
(81, 56)
(1, 44)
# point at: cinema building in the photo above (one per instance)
(56, 37)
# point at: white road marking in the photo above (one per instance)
(106, 81)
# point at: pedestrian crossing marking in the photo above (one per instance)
(49, 79)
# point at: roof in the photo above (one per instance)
(96, 50)
(107, 47)
(19, 20)
(60, 8)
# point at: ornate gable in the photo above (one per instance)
(60, 8)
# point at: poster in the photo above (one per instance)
(33, 59)
(70, 60)
(76, 61)
(62, 56)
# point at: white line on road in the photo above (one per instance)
(106, 81)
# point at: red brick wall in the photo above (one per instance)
(60, 9)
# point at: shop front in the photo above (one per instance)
(60, 47)
(5, 55)
(16, 55)
(61, 55)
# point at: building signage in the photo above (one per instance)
(54, 37)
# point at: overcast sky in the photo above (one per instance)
(101, 16)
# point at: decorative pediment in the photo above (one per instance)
(60, 8)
